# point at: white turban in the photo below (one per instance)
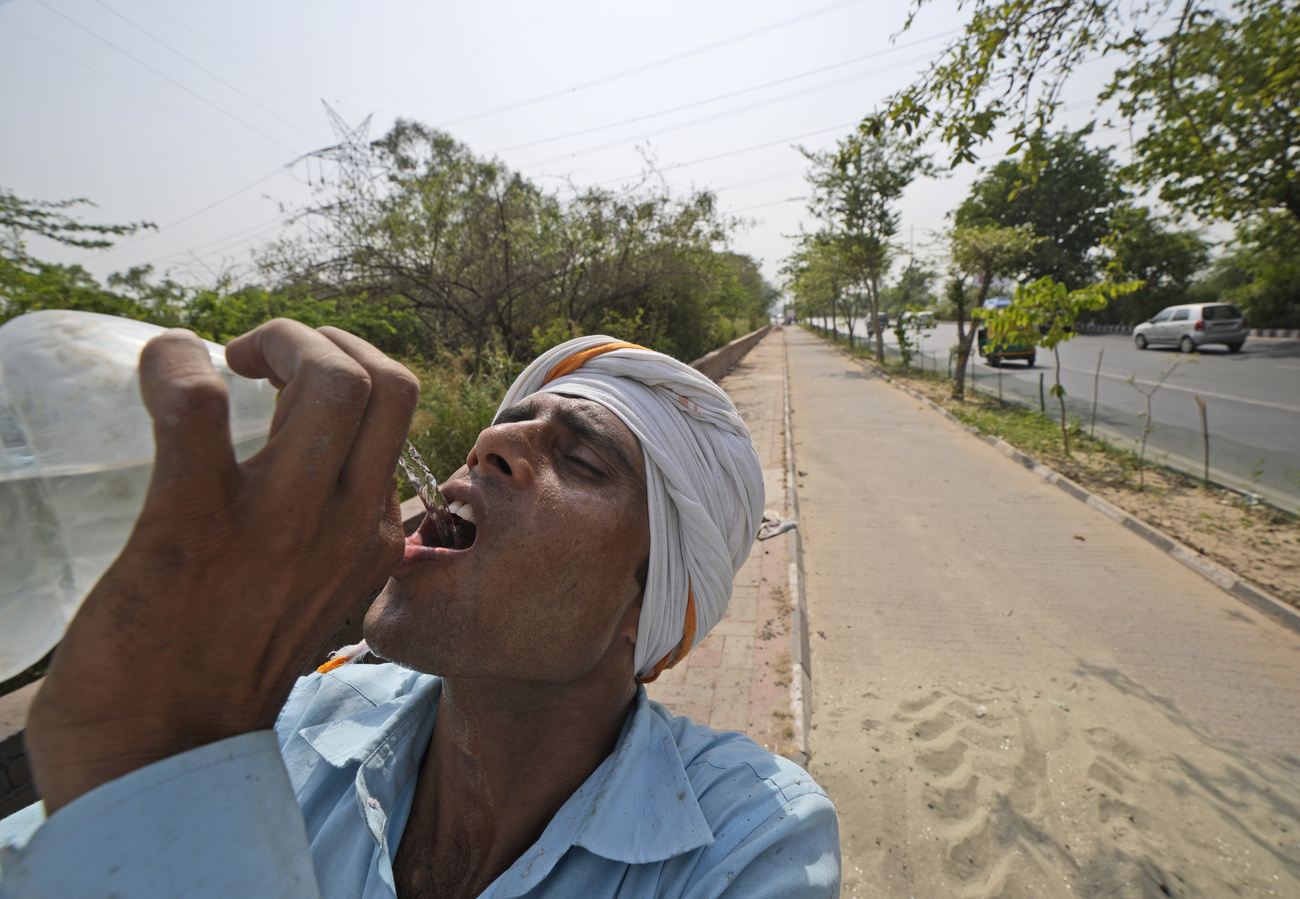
(704, 483)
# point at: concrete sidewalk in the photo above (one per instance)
(1014, 694)
(738, 678)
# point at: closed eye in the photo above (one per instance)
(590, 470)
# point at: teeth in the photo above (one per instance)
(461, 510)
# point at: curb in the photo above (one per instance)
(800, 651)
(1228, 581)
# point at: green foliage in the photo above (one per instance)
(1141, 247)
(988, 252)
(19, 218)
(222, 315)
(957, 299)
(482, 257)
(27, 286)
(1260, 273)
(854, 190)
(816, 278)
(459, 395)
(1222, 86)
(1008, 68)
(982, 253)
(1052, 310)
(1047, 312)
(1225, 93)
(907, 332)
(1066, 195)
(911, 291)
(422, 248)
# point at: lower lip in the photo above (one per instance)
(416, 553)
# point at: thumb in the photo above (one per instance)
(191, 411)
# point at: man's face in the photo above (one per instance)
(558, 493)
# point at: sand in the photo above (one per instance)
(1079, 787)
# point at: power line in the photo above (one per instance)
(228, 241)
(198, 34)
(646, 67)
(180, 221)
(764, 205)
(212, 134)
(728, 96)
(206, 71)
(162, 75)
(451, 67)
(763, 180)
(730, 112)
(737, 152)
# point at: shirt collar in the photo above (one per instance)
(637, 807)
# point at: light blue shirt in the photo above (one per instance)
(676, 809)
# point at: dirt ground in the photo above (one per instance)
(1254, 541)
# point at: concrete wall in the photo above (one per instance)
(16, 790)
(715, 365)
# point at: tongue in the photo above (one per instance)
(440, 528)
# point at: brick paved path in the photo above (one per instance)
(738, 678)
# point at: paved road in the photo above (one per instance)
(1252, 400)
(1013, 695)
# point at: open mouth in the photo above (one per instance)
(451, 527)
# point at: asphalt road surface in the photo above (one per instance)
(1252, 402)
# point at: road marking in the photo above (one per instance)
(1220, 396)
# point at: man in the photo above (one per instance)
(597, 526)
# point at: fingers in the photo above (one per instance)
(190, 408)
(321, 407)
(393, 395)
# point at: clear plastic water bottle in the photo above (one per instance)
(76, 453)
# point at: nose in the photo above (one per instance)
(507, 451)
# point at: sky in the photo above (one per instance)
(197, 117)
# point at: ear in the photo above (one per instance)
(627, 628)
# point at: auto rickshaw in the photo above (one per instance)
(1015, 343)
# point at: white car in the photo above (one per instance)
(1193, 326)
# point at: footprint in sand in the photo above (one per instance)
(985, 774)
(1020, 797)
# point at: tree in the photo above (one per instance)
(28, 284)
(1008, 69)
(484, 258)
(1222, 87)
(1225, 93)
(982, 253)
(1009, 66)
(1260, 272)
(1067, 197)
(1142, 247)
(910, 292)
(44, 218)
(816, 278)
(854, 190)
(1048, 311)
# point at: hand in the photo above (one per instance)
(235, 573)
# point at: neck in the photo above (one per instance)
(503, 759)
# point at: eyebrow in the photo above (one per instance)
(582, 423)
